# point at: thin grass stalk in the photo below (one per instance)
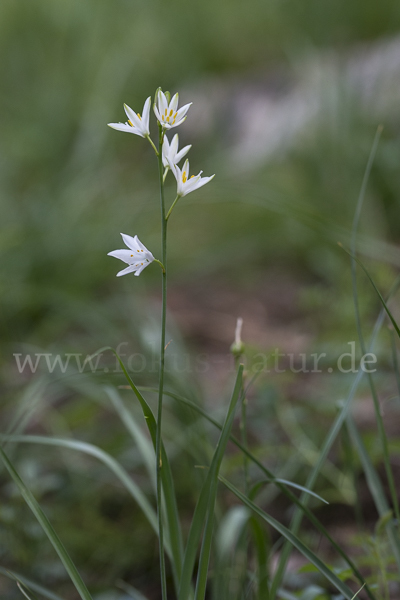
(379, 420)
(162, 365)
(300, 504)
(338, 423)
(32, 585)
(375, 488)
(395, 359)
(243, 436)
(48, 529)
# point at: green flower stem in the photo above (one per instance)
(160, 263)
(161, 380)
(243, 431)
(172, 207)
(152, 143)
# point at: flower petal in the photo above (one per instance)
(132, 116)
(176, 124)
(185, 168)
(162, 102)
(174, 102)
(174, 144)
(182, 111)
(157, 113)
(130, 241)
(199, 183)
(130, 269)
(125, 255)
(146, 114)
(141, 269)
(123, 127)
(142, 247)
(182, 153)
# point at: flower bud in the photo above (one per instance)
(237, 348)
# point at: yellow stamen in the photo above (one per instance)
(139, 116)
(167, 119)
(131, 124)
(192, 177)
(137, 250)
(166, 112)
(162, 117)
(141, 251)
(171, 112)
(184, 178)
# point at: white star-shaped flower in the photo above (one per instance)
(186, 184)
(166, 112)
(137, 257)
(136, 124)
(170, 152)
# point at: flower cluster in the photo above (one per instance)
(168, 116)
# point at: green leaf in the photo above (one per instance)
(385, 306)
(261, 543)
(294, 540)
(105, 458)
(204, 502)
(24, 592)
(30, 584)
(48, 529)
(255, 489)
(212, 484)
(375, 488)
(174, 528)
(301, 505)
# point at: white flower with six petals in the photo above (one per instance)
(136, 124)
(137, 257)
(166, 112)
(186, 184)
(170, 154)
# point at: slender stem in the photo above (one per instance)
(160, 263)
(243, 432)
(152, 143)
(172, 207)
(161, 379)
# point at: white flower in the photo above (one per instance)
(137, 257)
(186, 184)
(170, 152)
(166, 113)
(136, 124)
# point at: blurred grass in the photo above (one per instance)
(69, 185)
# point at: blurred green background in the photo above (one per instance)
(287, 97)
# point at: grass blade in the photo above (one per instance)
(294, 541)
(141, 440)
(301, 505)
(29, 596)
(375, 487)
(261, 544)
(212, 484)
(201, 508)
(48, 529)
(105, 458)
(329, 441)
(385, 306)
(30, 584)
(174, 528)
(379, 420)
